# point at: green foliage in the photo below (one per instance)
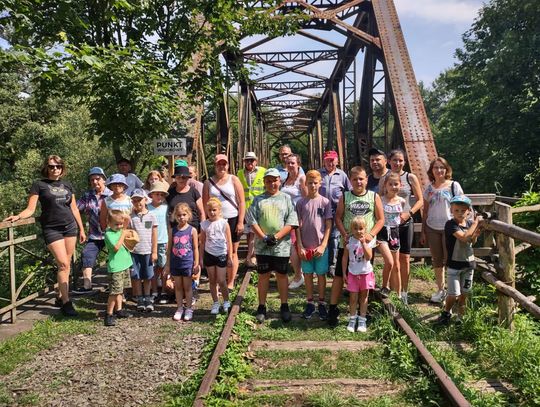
(487, 108)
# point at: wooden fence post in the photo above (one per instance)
(12, 276)
(506, 266)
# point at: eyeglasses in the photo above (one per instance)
(55, 166)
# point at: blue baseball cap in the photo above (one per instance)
(117, 179)
(97, 171)
(139, 193)
(461, 199)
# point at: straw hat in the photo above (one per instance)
(158, 186)
(131, 239)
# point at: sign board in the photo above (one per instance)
(170, 146)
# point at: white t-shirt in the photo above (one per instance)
(439, 204)
(216, 236)
(357, 262)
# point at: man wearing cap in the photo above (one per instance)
(334, 183)
(272, 217)
(252, 179)
(377, 163)
(284, 152)
(90, 204)
(124, 168)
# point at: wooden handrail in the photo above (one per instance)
(530, 208)
(513, 231)
(22, 222)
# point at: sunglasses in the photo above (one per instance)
(55, 166)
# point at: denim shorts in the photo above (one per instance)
(143, 269)
(317, 265)
(161, 255)
(459, 281)
(90, 252)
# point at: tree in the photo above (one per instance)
(489, 121)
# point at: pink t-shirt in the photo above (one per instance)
(312, 215)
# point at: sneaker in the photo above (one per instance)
(68, 310)
(385, 292)
(308, 312)
(362, 324)
(124, 299)
(459, 320)
(404, 297)
(226, 306)
(260, 316)
(140, 304)
(58, 302)
(438, 297)
(444, 318)
(285, 313)
(178, 314)
(148, 304)
(321, 309)
(215, 308)
(163, 299)
(110, 320)
(296, 284)
(122, 313)
(351, 326)
(82, 291)
(333, 316)
(188, 314)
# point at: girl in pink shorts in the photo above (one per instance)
(359, 273)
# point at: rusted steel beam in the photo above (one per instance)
(340, 137)
(295, 68)
(289, 85)
(293, 56)
(318, 39)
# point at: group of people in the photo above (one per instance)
(161, 233)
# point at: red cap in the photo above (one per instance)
(221, 157)
(330, 154)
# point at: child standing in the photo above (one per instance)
(216, 243)
(117, 201)
(117, 266)
(358, 202)
(359, 273)
(158, 207)
(183, 259)
(388, 237)
(315, 225)
(460, 234)
(145, 252)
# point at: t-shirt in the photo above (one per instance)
(272, 213)
(357, 263)
(373, 183)
(190, 198)
(55, 199)
(123, 204)
(460, 254)
(312, 216)
(133, 182)
(439, 204)
(216, 236)
(120, 260)
(392, 212)
(143, 224)
(161, 215)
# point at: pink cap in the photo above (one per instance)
(221, 157)
(330, 154)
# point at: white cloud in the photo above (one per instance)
(440, 11)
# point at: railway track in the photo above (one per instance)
(276, 388)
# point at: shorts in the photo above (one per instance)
(233, 222)
(214, 261)
(52, 234)
(317, 265)
(360, 282)
(389, 236)
(406, 235)
(266, 264)
(437, 246)
(459, 281)
(339, 260)
(161, 255)
(118, 282)
(142, 269)
(90, 253)
(184, 272)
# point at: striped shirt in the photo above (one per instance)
(143, 224)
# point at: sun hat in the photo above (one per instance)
(250, 155)
(271, 172)
(97, 171)
(330, 154)
(181, 171)
(221, 157)
(117, 179)
(139, 193)
(131, 239)
(461, 199)
(375, 151)
(158, 187)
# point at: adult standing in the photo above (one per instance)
(90, 204)
(378, 165)
(436, 213)
(184, 193)
(411, 192)
(295, 187)
(251, 177)
(284, 152)
(124, 168)
(60, 221)
(228, 189)
(334, 183)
